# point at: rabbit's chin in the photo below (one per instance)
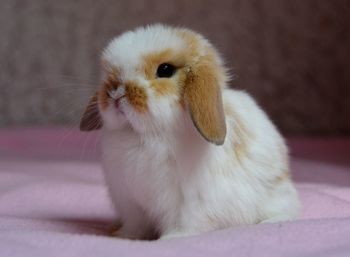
(115, 119)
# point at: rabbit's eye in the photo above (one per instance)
(165, 70)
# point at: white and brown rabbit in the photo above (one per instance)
(182, 153)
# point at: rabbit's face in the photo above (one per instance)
(144, 81)
(155, 75)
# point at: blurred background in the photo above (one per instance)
(292, 56)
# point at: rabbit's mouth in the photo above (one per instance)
(116, 100)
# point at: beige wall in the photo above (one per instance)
(293, 56)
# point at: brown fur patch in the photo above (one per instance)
(136, 96)
(164, 87)
(202, 95)
(91, 118)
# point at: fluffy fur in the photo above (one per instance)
(184, 155)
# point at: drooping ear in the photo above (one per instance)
(202, 95)
(91, 119)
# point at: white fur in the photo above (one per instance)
(162, 174)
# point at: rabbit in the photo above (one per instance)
(182, 153)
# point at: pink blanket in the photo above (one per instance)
(53, 203)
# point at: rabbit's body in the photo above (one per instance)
(182, 153)
(182, 185)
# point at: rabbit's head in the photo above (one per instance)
(153, 77)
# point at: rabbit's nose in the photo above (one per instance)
(118, 92)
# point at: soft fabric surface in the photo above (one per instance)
(53, 203)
